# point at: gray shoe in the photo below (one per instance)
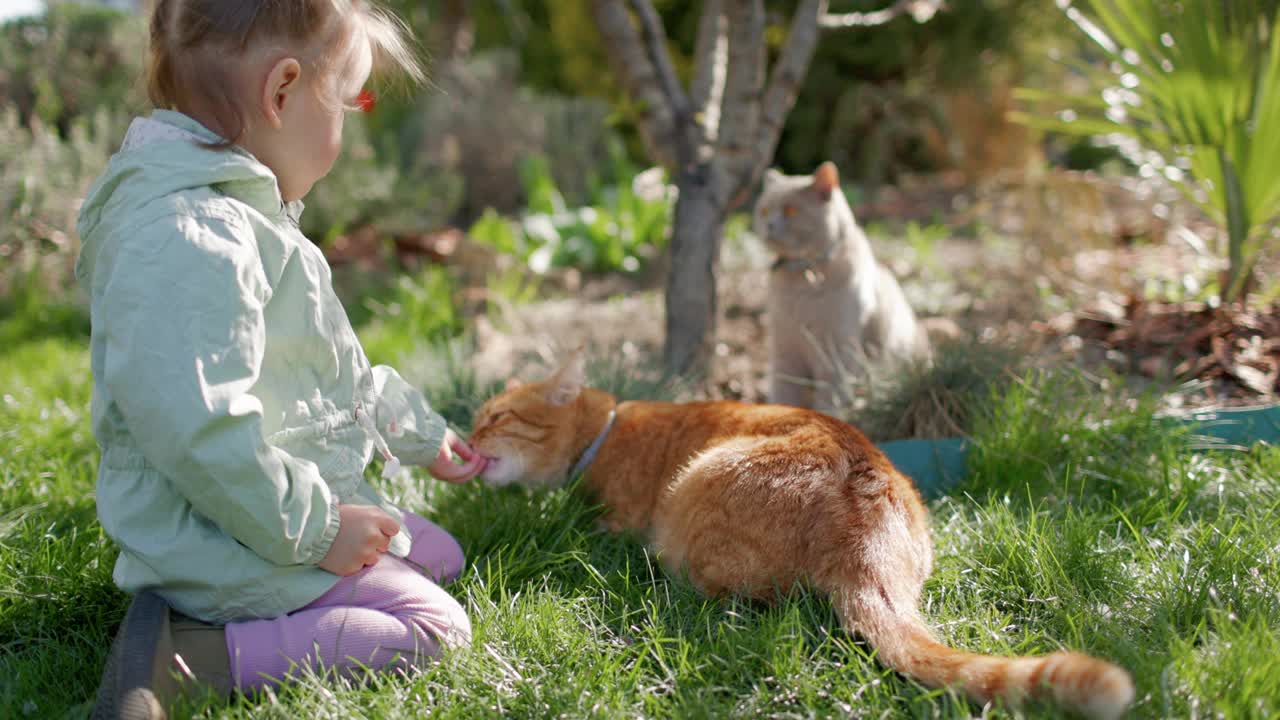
(200, 651)
(156, 658)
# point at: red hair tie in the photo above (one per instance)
(366, 101)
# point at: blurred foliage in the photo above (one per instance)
(521, 111)
(1190, 89)
(416, 309)
(535, 81)
(364, 189)
(69, 79)
(898, 98)
(875, 99)
(478, 122)
(42, 178)
(71, 61)
(622, 228)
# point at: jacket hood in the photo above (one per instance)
(162, 155)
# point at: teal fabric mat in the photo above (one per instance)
(939, 465)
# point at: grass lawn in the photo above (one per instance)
(1082, 525)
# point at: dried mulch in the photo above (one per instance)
(1234, 350)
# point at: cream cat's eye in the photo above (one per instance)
(788, 211)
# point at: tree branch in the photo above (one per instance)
(710, 62)
(655, 39)
(921, 10)
(659, 120)
(744, 85)
(784, 85)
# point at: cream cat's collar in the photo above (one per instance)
(813, 269)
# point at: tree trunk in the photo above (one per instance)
(453, 32)
(691, 280)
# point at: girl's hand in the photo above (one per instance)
(364, 533)
(444, 468)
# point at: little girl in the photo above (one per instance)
(235, 408)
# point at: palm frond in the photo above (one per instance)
(1197, 84)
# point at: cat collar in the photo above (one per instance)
(792, 264)
(804, 264)
(811, 270)
(594, 447)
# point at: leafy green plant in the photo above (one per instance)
(417, 310)
(1190, 89)
(619, 230)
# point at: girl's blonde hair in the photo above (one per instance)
(192, 40)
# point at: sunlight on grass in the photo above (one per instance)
(57, 603)
(1083, 525)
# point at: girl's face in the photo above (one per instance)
(302, 145)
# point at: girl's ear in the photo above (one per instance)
(566, 384)
(826, 180)
(281, 82)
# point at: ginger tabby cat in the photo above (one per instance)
(749, 499)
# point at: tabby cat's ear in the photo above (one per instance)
(564, 387)
(826, 180)
(512, 383)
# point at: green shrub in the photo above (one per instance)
(71, 61)
(363, 188)
(619, 230)
(476, 121)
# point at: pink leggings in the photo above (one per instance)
(389, 615)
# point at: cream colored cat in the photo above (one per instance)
(832, 307)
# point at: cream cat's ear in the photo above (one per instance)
(564, 387)
(826, 180)
(773, 177)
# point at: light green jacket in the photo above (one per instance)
(233, 404)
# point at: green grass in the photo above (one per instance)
(1083, 524)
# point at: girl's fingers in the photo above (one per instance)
(471, 468)
(388, 525)
(452, 472)
(460, 446)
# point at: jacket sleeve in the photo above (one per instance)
(182, 315)
(413, 431)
